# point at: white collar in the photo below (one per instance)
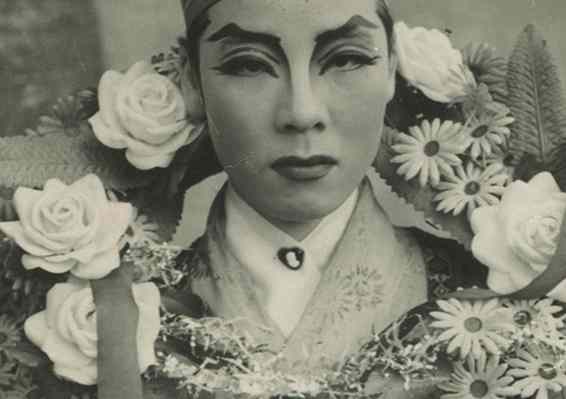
(255, 242)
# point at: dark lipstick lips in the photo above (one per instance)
(293, 161)
(302, 169)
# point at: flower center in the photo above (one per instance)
(522, 318)
(547, 371)
(3, 338)
(479, 389)
(479, 131)
(431, 148)
(473, 324)
(472, 188)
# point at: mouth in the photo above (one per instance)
(304, 169)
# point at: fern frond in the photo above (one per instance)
(31, 160)
(163, 209)
(420, 197)
(535, 100)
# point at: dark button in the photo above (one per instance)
(293, 257)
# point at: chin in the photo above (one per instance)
(301, 211)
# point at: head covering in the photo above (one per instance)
(192, 9)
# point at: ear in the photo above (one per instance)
(192, 94)
(392, 75)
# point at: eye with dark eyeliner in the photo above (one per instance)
(347, 61)
(245, 65)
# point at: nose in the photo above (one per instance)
(301, 108)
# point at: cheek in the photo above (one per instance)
(357, 110)
(235, 125)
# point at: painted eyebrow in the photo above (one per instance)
(234, 31)
(349, 29)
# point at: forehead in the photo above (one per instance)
(291, 19)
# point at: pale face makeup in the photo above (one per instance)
(295, 94)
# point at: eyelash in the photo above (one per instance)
(237, 65)
(360, 61)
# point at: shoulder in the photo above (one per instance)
(449, 265)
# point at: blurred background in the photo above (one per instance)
(50, 48)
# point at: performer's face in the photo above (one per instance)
(295, 94)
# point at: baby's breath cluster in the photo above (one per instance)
(156, 262)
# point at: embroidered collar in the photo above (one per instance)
(254, 242)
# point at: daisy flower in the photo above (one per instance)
(487, 131)
(538, 371)
(479, 101)
(487, 67)
(482, 378)
(503, 159)
(472, 327)
(470, 187)
(537, 314)
(429, 150)
(141, 230)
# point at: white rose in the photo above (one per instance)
(517, 238)
(143, 112)
(69, 228)
(428, 61)
(66, 329)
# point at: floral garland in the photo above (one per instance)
(465, 133)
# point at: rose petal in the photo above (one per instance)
(107, 134)
(57, 295)
(85, 375)
(15, 231)
(63, 352)
(91, 186)
(83, 255)
(54, 185)
(500, 282)
(107, 92)
(31, 262)
(488, 245)
(483, 216)
(147, 299)
(100, 266)
(35, 328)
(428, 60)
(544, 182)
(74, 310)
(518, 196)
(146, 162)
(136, 71)
(113, 224)
(24, 200)
(173, 144)
(559, 292)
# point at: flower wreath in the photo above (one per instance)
(472, 140)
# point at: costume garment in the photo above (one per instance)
(375, 274)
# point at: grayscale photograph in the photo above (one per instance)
(275, 199)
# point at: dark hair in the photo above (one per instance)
(195, 31)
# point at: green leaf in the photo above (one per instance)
(163, 208)
(420, 197)
(393, 387)
(31, 160)
(27, 354)
(535, 100)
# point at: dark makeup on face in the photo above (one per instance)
(232, 34)
(295, 95)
